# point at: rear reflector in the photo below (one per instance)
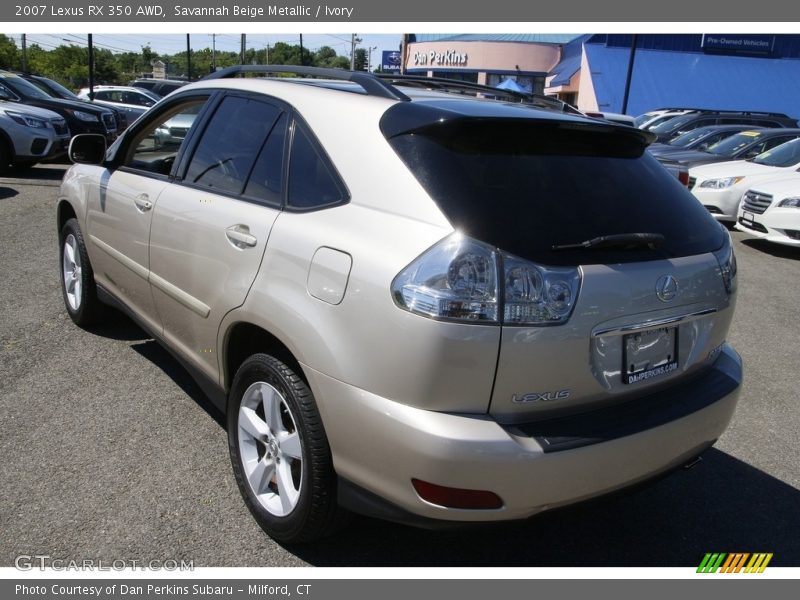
(455, 497)
(683, 177)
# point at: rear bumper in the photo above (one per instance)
(378, 446)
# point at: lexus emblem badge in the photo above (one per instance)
(666, 288)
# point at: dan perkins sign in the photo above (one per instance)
(448, 58)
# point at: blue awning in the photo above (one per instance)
(663, 78)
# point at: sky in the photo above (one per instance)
(172, 43)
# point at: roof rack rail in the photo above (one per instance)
(443, 83)
(715, 111)
(372, 85)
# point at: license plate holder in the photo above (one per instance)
(649, 354)
(748, 217)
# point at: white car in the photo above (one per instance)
(771, 211)
(720, 186)
(613, 117)
(133, 101)
(652, 118)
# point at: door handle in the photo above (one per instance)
(142, 202)
(239, 236)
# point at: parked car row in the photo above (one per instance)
(38, 115)
(743, 166)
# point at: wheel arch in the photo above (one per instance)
(243, 339)
(64, 212)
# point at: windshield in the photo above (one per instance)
(785, 155)
(58, 90)
(642, 119)
(732, 145)
(672, 124)
(24, 89)
(685, 140)
(149, 94)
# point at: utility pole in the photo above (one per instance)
(244, 45)
(369, 58)
(188, 59)
(213, 52)
(403, 48)
(266, 63)
(24, 54)
(353, 41)
(302, 54)
(91, 68)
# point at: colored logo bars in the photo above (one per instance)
(735, 562)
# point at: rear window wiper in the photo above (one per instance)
(621, 241)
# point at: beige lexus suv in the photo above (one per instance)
(425, 306)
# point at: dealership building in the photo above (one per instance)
(758, 72)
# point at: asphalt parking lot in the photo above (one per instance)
(109, 451)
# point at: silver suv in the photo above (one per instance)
(29, 134)
(423, 306)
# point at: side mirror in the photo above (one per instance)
(88, 149)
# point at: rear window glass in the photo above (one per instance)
(528, 187)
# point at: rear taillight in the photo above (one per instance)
(461, 279)
(727, 263)
(683, 177)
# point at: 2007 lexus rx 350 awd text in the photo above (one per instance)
(422, 306)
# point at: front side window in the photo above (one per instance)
(155, 147)
(231, 143)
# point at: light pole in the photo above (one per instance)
(369, 58)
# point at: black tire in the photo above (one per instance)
(315, 513)
(5, 157)
(87, 310)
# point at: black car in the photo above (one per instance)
(81, 117)
(702, 118)
(56, 90)
(740, 146)
(160, 87)
(701, 138)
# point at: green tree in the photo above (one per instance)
(327, 57)
(361, 60)
(9, 55)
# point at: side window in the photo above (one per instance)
(757, 149)
(101, 95)
(230, 144)
(266, 180)
(154, 149)
(777, 141)
(312, 181)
